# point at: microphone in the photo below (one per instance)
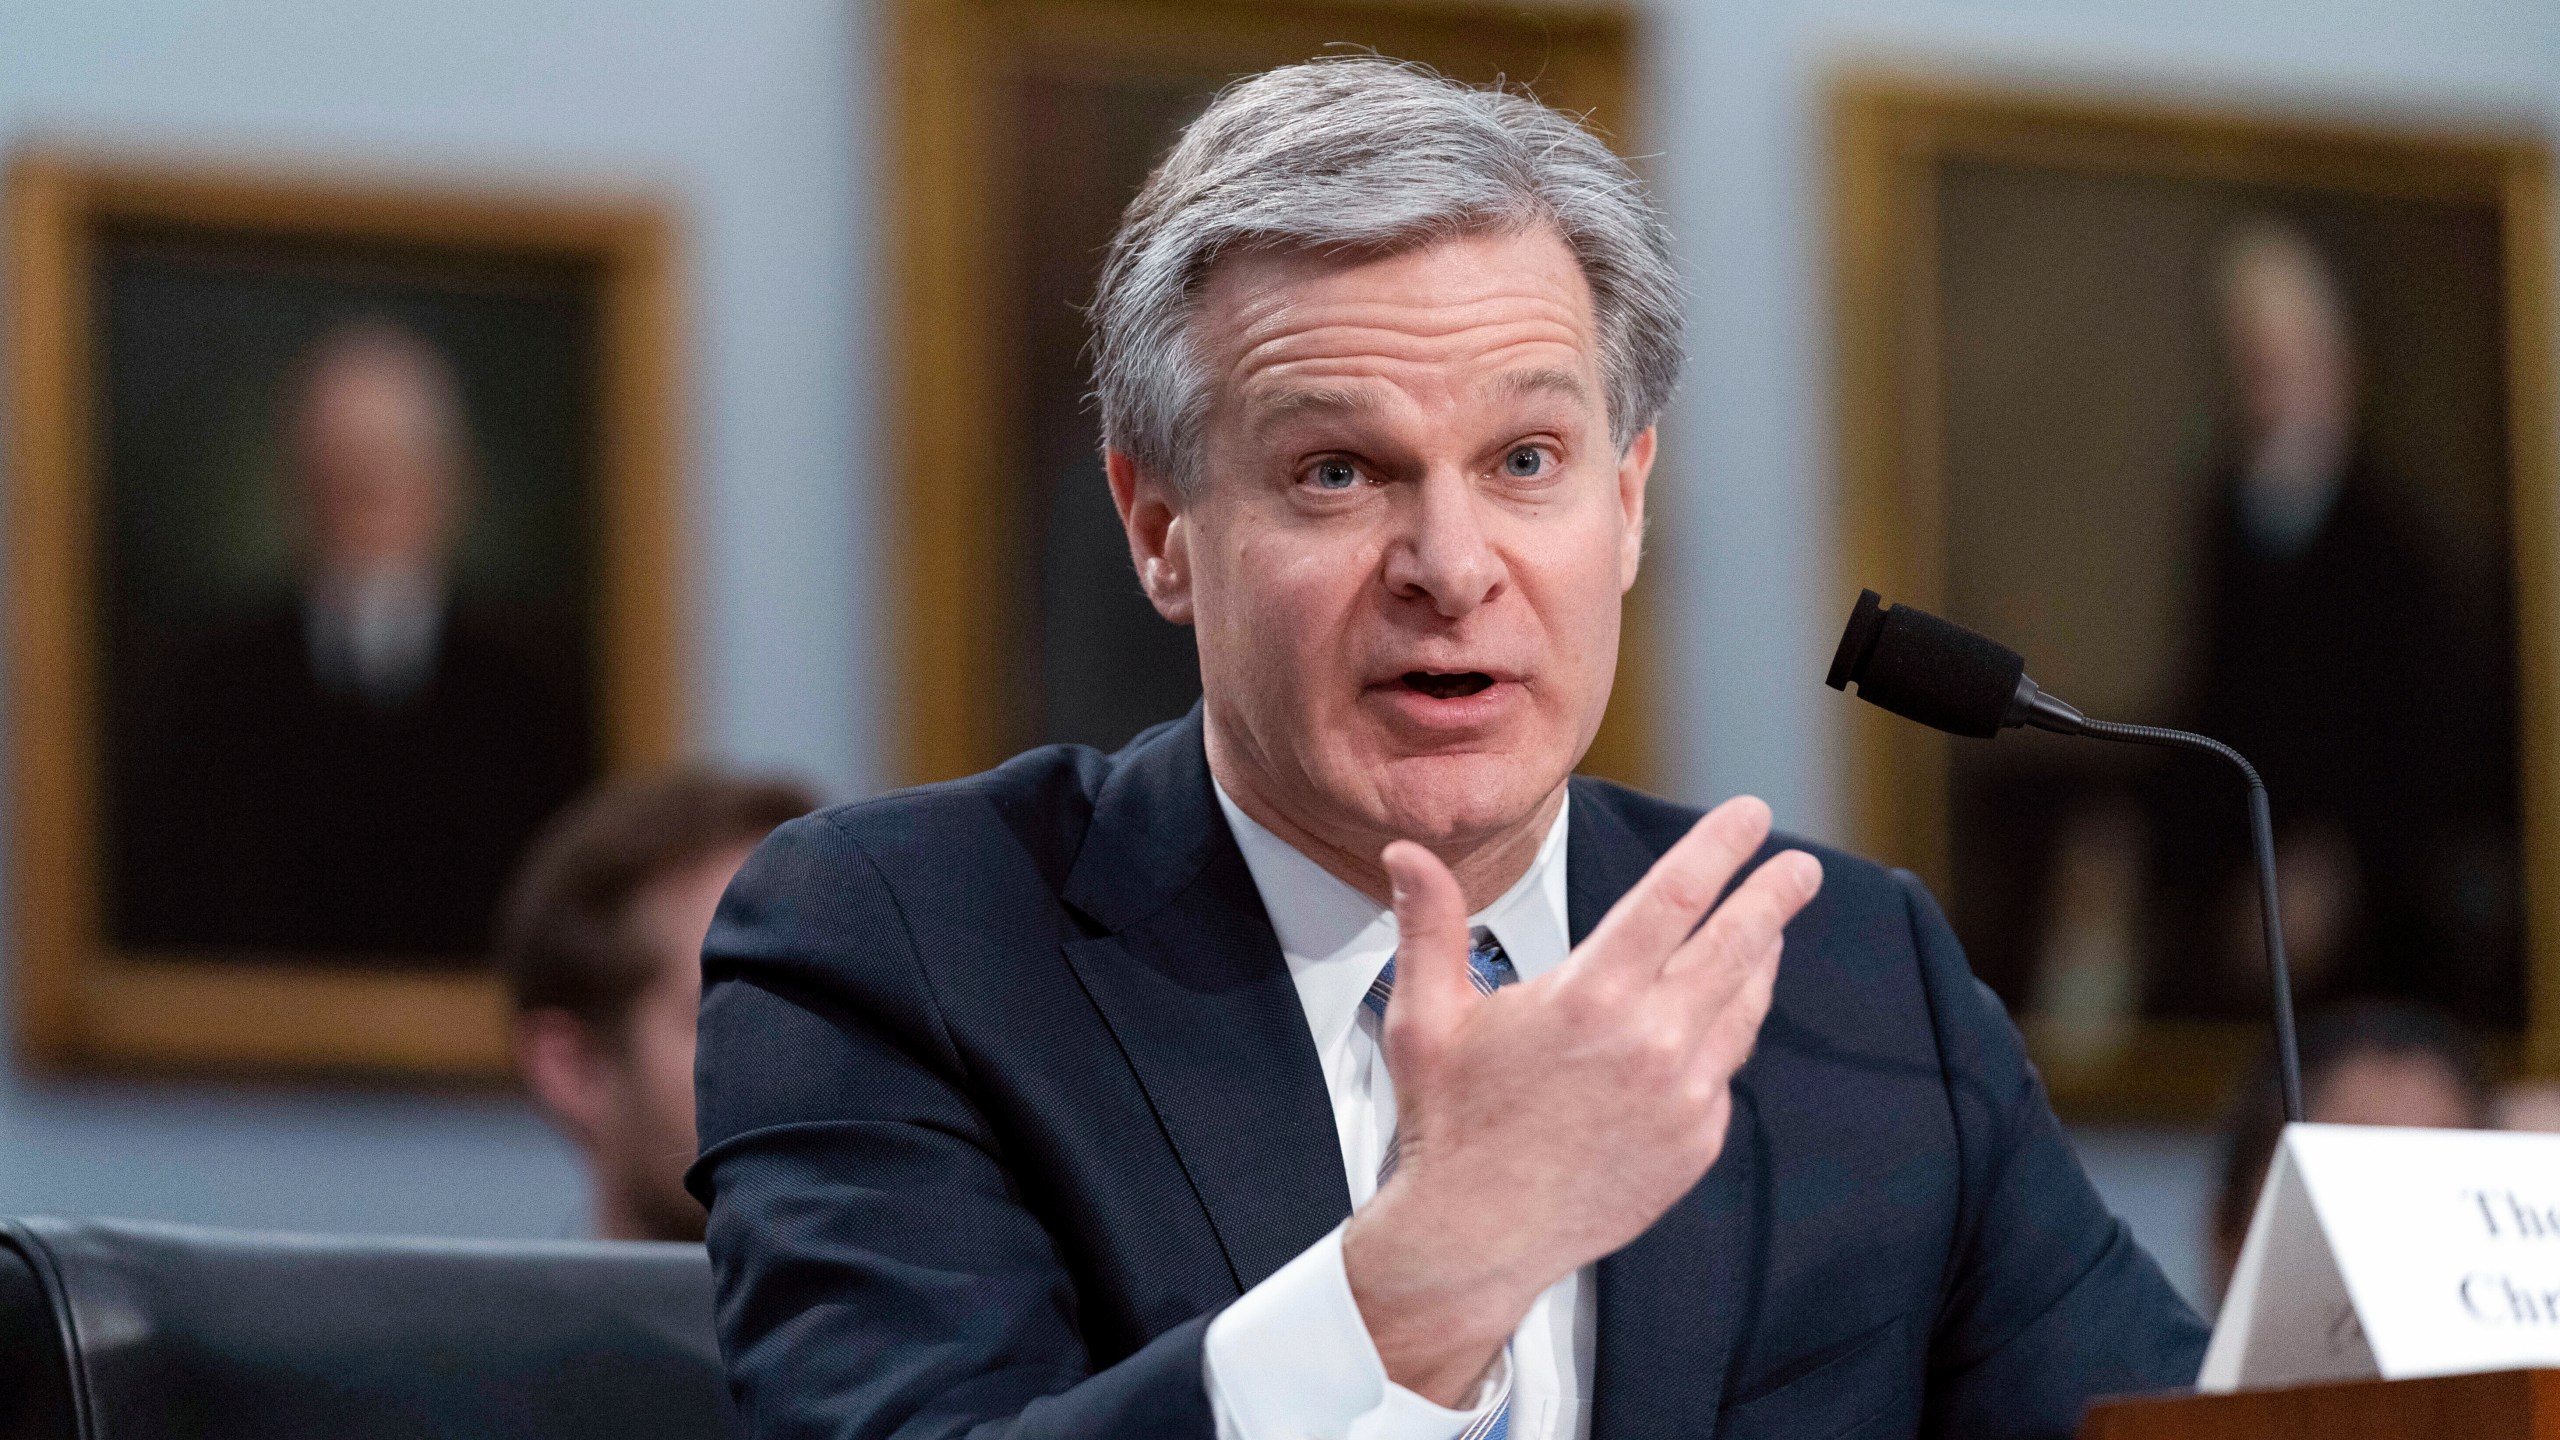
(1949, 678)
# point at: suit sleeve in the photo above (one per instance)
(877, 1271)
(2048, 1302)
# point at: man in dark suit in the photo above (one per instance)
(1330, 1062)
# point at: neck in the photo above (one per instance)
(349, 585)
(637, 1208)
(616, 1218)
(1486, 865)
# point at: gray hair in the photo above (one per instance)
(1364, 154)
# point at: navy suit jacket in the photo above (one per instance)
(1005, 1091)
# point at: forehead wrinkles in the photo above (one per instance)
(1443, 319)
(1411, 334)
(1357, 342)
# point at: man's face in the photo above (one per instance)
(2377, 1087)
(650, 1135)
(378, 464)
(2288, 341)
(1406, 553)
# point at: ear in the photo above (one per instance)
(1159, 535)
(567, 1070)
(1635, 467)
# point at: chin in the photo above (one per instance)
(1453, 798)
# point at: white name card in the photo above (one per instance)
(2395, 1253)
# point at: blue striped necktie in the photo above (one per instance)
(1490, 969)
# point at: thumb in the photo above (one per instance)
(1432, 989)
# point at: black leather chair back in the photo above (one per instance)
(121, 1330)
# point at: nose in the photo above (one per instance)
(1443, 555)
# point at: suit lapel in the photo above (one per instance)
(1192, 983)
(1671, 1302)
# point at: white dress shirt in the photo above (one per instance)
(1293, 1357)
(373, 636)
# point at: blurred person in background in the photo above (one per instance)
(353, 768)
(2529, 1105)
(2332, 654)
(2364, 1062)
(601, 942)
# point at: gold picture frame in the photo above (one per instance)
(81, 1000)
(959, 391)
(1893, 137)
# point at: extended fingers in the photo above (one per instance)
(1733, 1029)
(1752, 921)
(1649, 921)
(1729, 968)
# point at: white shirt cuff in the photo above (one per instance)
(1292, 1360)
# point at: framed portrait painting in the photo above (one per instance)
(1024, 129)
(2240, 424)
(340, 557)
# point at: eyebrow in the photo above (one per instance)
(1545, 380)
(1273, 410)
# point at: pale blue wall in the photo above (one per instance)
(757, 117)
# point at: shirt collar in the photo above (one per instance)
(1336, 939)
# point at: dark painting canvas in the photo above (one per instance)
(2233, 457)
(345, 565)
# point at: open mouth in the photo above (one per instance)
(1447, 685)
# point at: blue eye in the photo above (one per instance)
(1334, 475)
(1524, 462)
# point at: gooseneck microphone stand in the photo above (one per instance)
(2262, 839)
(1947, 677)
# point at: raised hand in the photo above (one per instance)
(1549, 1123)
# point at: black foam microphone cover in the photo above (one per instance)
(1927, 669)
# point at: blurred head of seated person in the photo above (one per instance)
(601, 944)
(2364, 1062)
(2529, 1105)
(1333, 1060)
